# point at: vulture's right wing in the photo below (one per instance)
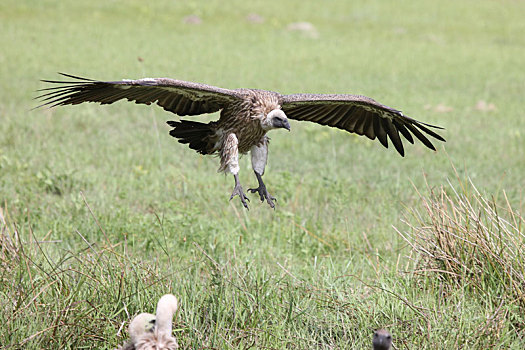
(177, 96)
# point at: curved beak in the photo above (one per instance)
(286, 124)
(278, 120)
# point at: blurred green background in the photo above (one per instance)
(326, 267)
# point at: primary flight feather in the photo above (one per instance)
(246, 117)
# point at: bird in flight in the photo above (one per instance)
(246, 116)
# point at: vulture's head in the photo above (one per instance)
(382, 340)
(141, 324)
(274, 120)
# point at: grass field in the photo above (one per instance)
(102, 211)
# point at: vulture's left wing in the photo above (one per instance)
(177, 96)
(360, 115)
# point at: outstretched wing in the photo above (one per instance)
(360, 115)
(177, 96)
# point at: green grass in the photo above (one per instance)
(103, 212)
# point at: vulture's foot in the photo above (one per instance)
(264, 194)
(237, 191)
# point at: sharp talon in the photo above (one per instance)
(253, 190)
(264, 195)
(237, 191)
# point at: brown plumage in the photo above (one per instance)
(246, 116)
(382, 340)
(149, 332)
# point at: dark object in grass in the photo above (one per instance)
(382, 340)
(149, 332)
(246, 116)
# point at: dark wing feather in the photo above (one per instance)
(360, 115)
(177, 96)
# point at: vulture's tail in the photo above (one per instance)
(196, 135)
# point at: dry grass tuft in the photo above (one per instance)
(9, 249)
(472, 241)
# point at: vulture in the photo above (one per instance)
(154, 332)
(141, 325)
(382, 340)
(246, 116)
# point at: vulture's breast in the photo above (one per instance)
(244, 118)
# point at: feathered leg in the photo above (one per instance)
(259, 158)
(230, 162)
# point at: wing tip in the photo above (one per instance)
(75, 76)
